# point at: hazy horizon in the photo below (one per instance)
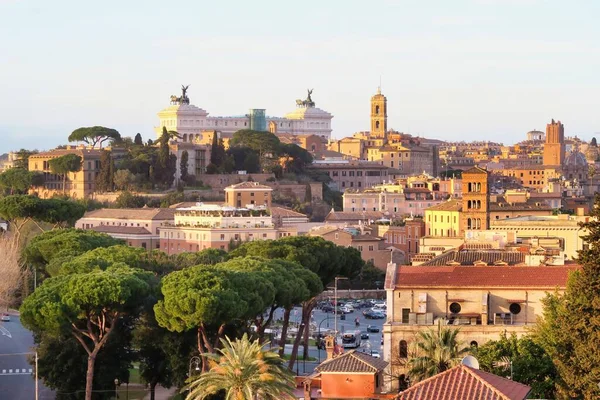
(464, 70)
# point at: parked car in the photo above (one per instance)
(5, 317)
(364, 336)
(372, 328)
(375, 354)
(327, 308)
(382, 339)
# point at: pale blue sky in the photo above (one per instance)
(480, 69)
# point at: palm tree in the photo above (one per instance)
(437, 351)
(243, 370)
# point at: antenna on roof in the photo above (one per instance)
(470, 361)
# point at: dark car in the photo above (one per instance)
(372, 328)
(327, 309)
(364, 336)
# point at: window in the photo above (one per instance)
(405, 314)
(370, 247)
(515, 308)
(474, 345)
(403, 347)
(360, 248)
(222, 236)
(455, 308)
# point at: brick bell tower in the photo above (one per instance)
(476, 199)
(379, 115)
(554, 148)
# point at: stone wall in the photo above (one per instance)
(221, 181)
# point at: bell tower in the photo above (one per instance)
(379, 115)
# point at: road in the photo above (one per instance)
(326, 321)
(16, 374)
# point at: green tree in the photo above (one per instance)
(264, 143)
(197, 298)
(128, 200)
(437, 351)
(20, 209)
(593, 142)
(295, 157)
(318, 255)
(105, 179)
(61, 245)
(16, 180)
(243, 369)
(94, 135)
(167, 162)
(217, 152)
(123, 179)
(570, 328)
(183, 166)
(65, 164)
(205, 257)
(138, 141)
(88, 306)
(22, 160)
(62, 363)
(531, 365)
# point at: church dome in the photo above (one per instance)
(576, 159)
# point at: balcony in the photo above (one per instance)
(462, 319)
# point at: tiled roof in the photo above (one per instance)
(475, 170)
(131, 230)
(353, 361)
(286, 213)
(469, 257)
(353, 215)
(62, 152)
(248, 185)
(531, 204)
(132, 213)
(450, 205)
(462, 382)
(484, 276)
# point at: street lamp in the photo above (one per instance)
(196, 362)
(327, 318)
(116, 388)
(335, 307)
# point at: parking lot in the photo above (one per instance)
(324, 323)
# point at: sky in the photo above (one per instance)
(451, 70)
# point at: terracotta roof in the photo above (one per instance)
(352, 361)
(132, 213)
(248, 185)
(450, 205)
(368, 238)
(462, 382)
(484, 276)
(475, 170)
(62, 152)
(286, 213)
(132, 230)
(469, 257)
(502, 205)
(353, 215)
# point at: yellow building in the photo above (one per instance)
(483, 301)
(248, 193)
(444, 220)
(79, 185)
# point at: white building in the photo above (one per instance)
(193, 122)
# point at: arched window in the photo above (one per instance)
(377, 110)
(469, 204)
(474, 344)
(376, 124)
(468, 223)
(403, 349)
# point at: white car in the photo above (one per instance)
(375, 353)
(5, 317)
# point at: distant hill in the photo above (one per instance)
(4, 157)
